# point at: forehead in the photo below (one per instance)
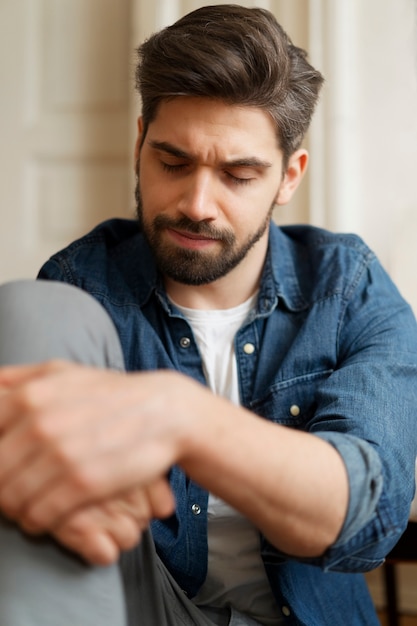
(212, 127)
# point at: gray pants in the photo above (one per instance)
(40, 582)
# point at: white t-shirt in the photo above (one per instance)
(236, 575)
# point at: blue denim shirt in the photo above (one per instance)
(332, 337)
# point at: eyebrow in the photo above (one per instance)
(165, 146)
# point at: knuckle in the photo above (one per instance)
(85, 481)
(34, 520)
(27, 398)
(56, 365)
(41, 427)
(64, 456)
(8, 509)
(30, 406)
(129, 534)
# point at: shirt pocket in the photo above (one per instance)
(292, 402)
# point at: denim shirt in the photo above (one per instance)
(335, 355)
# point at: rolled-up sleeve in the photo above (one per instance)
(367, 409)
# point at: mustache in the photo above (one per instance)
(196, 228)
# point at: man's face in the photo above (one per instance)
(208, 178)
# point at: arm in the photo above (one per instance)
(273, 475)
(85, 435)
(139, 425)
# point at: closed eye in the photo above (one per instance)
(174, 168)
(177, 168)
(236, 180)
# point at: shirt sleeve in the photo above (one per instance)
(53, 269)
(367, 409)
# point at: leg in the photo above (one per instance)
(151, 591)
(41, 320)
(41, 583)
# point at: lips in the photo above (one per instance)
(190, 240)
(193, 235)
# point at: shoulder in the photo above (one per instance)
(316, 262)
(114, 252)
(318, 241)
(106, 238)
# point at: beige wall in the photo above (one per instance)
(64, 116)
(68, 120)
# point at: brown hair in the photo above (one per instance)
(234, 54)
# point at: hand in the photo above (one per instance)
(72, 436)
(99, 532)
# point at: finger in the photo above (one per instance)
(95, 545)
(98, 479)
(17, 452)
(99, 532)
(16, 374)
(100, 550)
(18, 487)
(40, 477)
(123, 520)
(41, 447)
(30, 461)
(12, 375)
(83, 530)
(21, 390)
(162, 500)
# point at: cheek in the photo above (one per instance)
(157, 199)
(151, 189)
(242, 224)
(248, 216)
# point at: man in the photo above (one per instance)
(267, 425)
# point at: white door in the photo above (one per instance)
(64, 124)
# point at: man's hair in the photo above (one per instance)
(237, 55)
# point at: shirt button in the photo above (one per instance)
(185, 342)
(196, 509)
(295, 410)
(286, 611)
(248, 348)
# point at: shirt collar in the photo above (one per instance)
(280, 280)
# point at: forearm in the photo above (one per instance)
(292, 485)
(88, 435)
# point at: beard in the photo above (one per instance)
(195, 267)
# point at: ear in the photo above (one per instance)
(138, 139)
(293, 175)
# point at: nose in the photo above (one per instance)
(197, 200)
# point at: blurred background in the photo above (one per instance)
(68, 122)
